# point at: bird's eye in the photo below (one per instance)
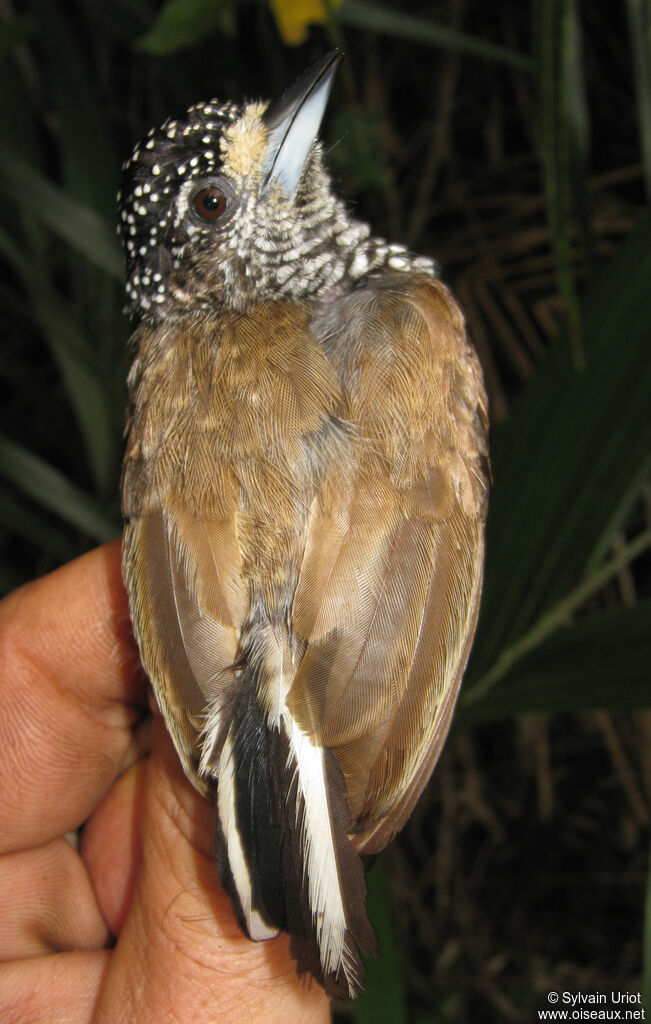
(209, 203)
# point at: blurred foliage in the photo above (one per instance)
(293, 19)
(519, 156)
(183, 23)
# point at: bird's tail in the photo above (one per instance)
(282, 843)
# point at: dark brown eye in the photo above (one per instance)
(209, 203)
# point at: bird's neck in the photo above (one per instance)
(337, 252)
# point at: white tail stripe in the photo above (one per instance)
(255, 925)
(209, 737)
(318, 849)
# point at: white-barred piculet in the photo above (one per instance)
(304, 489)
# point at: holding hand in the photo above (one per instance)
(74, 730)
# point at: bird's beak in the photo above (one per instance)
(294, 120)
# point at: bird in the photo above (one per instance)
(304, 491)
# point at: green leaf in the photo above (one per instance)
(13, 31)
(85, 386)
(68, 219)
(639, 20)
(564, 140)
(73, 356)
(184, 23)
(646, 944)
(22, 520)
(20, 128)
(556, 617)
(53, 490)
(573, 447)
(384, 999)
(73, 103)
(10, 579)
(359, 147)
(601, 662)
(394, 23)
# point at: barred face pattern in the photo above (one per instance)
(164, 165)
(264, 245)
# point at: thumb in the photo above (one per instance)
(180, 954)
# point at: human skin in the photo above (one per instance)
(132, 926)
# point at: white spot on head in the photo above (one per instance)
(398, 262)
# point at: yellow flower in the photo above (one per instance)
(293, 17)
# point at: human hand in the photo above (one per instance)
(73, 732)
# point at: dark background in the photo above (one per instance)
(512, 141)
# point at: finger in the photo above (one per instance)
(111, 845)
(52, 989)
(181, 954)
(47, 903)
(71, 693)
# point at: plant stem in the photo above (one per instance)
(555, 617)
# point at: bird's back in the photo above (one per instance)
(304, 489)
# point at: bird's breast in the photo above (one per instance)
(236, 411)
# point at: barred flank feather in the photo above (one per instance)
(283, 850)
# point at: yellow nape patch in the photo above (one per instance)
(244, 144)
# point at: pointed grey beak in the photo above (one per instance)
(293, 122)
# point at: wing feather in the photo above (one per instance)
(389, 587)
(183, 613)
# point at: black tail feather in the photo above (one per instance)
(270, 816)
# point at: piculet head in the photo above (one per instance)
(232, 205)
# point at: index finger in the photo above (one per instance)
(71, 693)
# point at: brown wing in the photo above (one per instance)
(188, 642)
(181, 556)
(217, 480)
(389, 588)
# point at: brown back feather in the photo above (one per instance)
(376, 531)
(389, 587)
